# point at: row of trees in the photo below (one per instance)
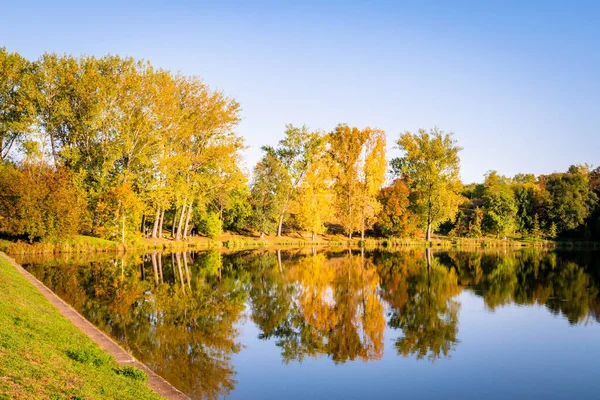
(111, 146)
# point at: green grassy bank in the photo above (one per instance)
(44, 356)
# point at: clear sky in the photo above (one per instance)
(516, 81)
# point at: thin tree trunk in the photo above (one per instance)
(428, 236)
(123, 228)
(178, 257)
(160, 271)
(187, 271)
(155, 267)
(428, 254)
(160, 224)
(279, 261)
(180, 225)
(187, 219)
(429, 207)
(280, 224)
(155, 227)
(362, 232)
(143, 227)
(314, 236)
(173, 223)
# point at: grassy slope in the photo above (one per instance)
(38, 349)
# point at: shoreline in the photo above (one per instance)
(86, 244)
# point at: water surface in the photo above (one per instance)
(349, 324)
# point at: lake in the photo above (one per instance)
(309, 323)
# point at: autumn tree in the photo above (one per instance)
(431, 165)
(312, 207)
(298, 150)
(358, 165)
(395, 217)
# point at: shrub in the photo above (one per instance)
(89, 355)
(132, 372)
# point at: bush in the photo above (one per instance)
(210, 225)
(38, 202)
(132, 372)
(89, 355)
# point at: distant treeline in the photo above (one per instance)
(115, 148)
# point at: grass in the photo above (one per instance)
(44, 356)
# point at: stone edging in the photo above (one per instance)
(155, 381)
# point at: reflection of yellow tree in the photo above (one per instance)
(324, 306)
(429, 317)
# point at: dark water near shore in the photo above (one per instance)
(298, 324)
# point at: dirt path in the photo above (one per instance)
(155, 382)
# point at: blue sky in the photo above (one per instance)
(516, 81)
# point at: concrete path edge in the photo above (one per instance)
(155, 381)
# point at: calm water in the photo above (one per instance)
(454, 325)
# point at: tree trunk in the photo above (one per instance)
(173, 223)
(155, 267)
(160, 224)
(143, 227)
(187, 271)
(178, 257)
(362, 232)
(314, 237)
(156, 220)
(429, 208)
(280, 224)
(160, 272)
(428, 254)
(279, 261)
(187, 220)
(123, 229)
(262, 235)
(181, 216)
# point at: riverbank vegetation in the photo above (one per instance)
(113, 148)
(42, 355)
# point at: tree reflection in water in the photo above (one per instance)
(180, 313)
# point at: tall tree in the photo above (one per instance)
(268, 191)
(431, 165)
(296, 152)
(358, 165)
(313, 203)
(17, 99)
(500, 208)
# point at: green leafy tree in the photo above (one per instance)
(268, 190)
(431, 165)
(500, 208)
(299, 149)
(17, 100)
(571, 200)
